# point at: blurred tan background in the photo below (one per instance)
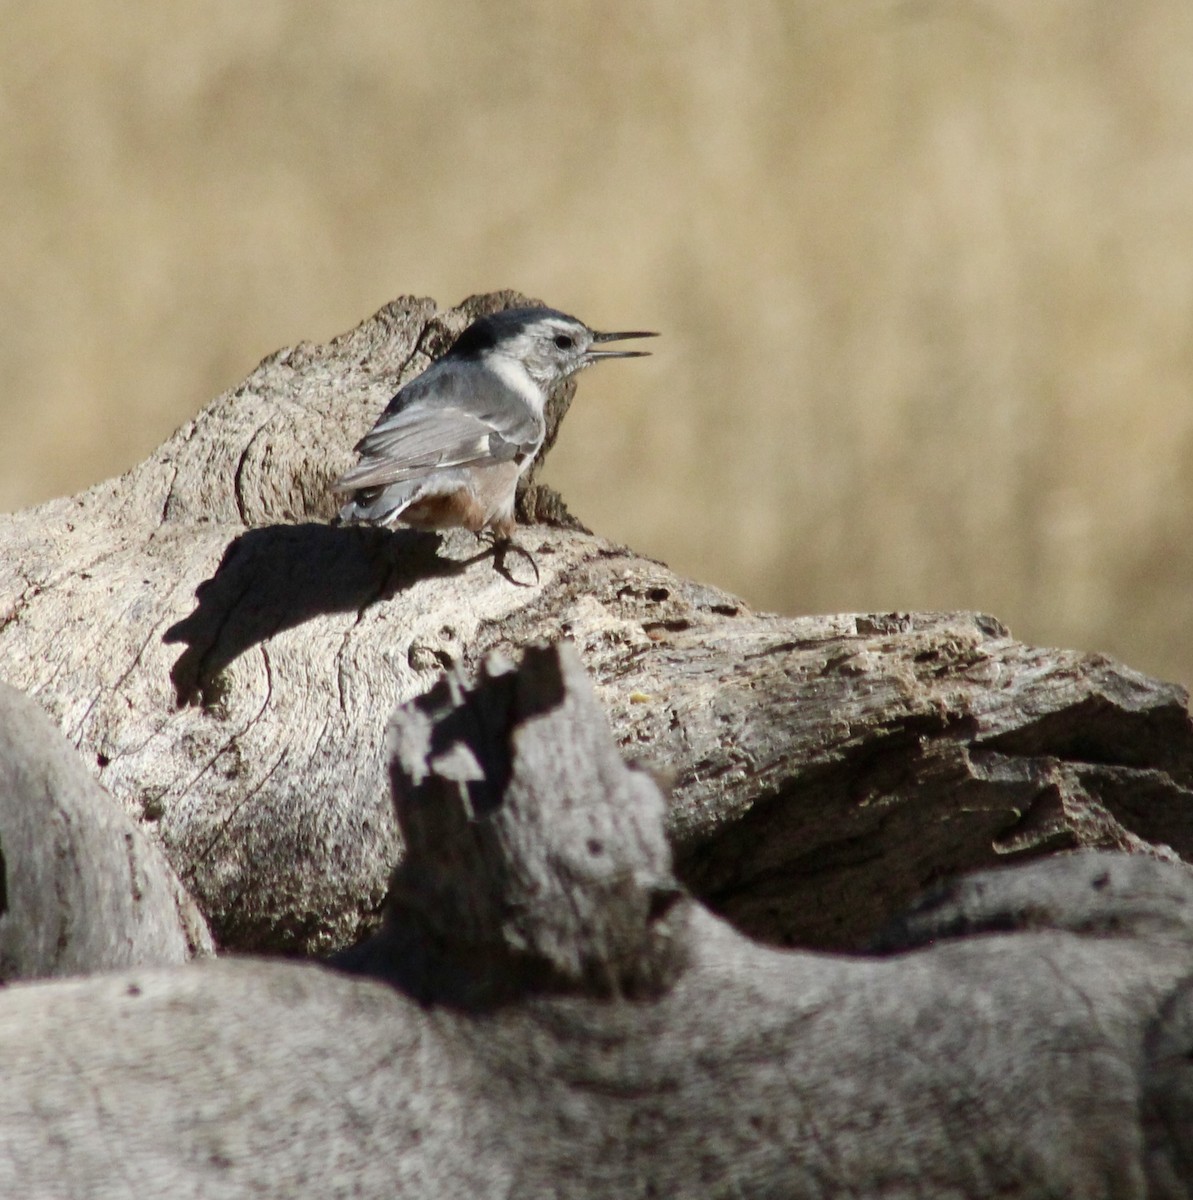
(924, 270)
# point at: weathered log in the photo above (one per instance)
(825, 769)
(82, 889)
(561, 1020)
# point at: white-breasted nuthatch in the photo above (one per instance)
(451, 445)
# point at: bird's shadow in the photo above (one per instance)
(278, 577)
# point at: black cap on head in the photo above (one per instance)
(485, 332)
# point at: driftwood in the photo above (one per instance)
(824, 770)
(561, 1019)
(81, 886)
(544, 1006)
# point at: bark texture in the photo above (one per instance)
(225, 663)
(559, 1019)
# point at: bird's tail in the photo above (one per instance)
(379, 505)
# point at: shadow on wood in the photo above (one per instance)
(278, 577)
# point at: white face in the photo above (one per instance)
(550, 349)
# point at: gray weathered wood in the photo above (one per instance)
(825, 769)
(82, 889)
(562, 1022)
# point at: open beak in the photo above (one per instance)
(592, 355)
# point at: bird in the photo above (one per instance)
(452, 444)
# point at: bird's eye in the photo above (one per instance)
(563, 341)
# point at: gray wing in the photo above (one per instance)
(437, 422)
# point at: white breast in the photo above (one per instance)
(515, 376)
